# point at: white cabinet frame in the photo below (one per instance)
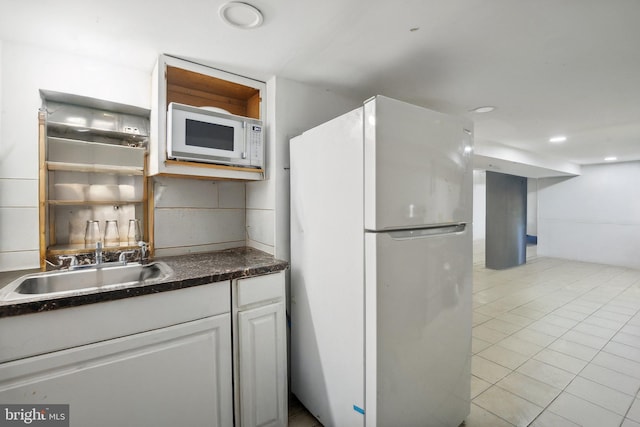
(260, 346)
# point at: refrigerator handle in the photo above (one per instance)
(420, 233)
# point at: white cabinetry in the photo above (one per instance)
(156, 360)
(183, 357)
(166, 377)
(260, 351)
(185, 82)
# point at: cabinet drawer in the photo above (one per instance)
(260, 288)
(39, 333)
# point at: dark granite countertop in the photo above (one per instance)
(189, 270)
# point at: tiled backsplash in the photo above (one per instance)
(191, 215)
(194, 215)
(18, 214)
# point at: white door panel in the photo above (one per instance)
(417, 166)
(418, 318)
(174, 376)
(263, 369)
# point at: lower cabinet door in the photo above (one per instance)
(174, 376)
(262, 366)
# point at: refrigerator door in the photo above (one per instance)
(418, 327)
(417, 166)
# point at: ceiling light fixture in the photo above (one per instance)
(485, 109)
(240, 15)
(610, 159)
(557, 139)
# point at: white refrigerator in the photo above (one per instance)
(381, 267)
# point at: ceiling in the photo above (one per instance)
(551, 67)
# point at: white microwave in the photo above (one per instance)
(202, 135)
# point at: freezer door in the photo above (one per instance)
(417, 166)
(418, 327)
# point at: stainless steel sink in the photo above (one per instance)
(105, 277)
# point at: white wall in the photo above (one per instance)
(261, 195)
(1, 104)
(24, 69)
(496, 157)
(198, 215)
(594, 217)
(297, 107)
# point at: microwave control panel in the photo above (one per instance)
(255, 140)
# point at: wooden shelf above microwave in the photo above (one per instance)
(188, 83)
(199, 90)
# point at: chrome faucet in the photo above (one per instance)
(98, 253)
(123, 256)
(73, 258)
(61, 259)
(144, 251)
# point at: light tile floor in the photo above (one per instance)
(555, 343)
(299, 416)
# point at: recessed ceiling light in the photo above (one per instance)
(486, 109)
(610, 159)
(240, 15)
(558, 138)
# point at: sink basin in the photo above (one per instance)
(105, 277)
